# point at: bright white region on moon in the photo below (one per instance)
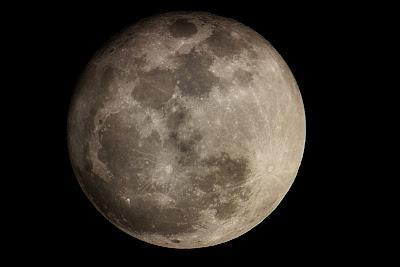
(186, 130)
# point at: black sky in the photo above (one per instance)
(323, 44)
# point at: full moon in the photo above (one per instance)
(186, 130)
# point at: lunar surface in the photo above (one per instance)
(186, 130)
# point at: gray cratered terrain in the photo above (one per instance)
(186, 130)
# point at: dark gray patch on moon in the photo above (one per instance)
(108, 77)
(193, 74)
(192, 77)
(142, 221)
(123, 160)
(122, 155)
(226, 172)
(186, 153)
(186, 130)
(223, 44)
(182, 28)
(243, 77)
(155, 88)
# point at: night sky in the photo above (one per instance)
(319, 217)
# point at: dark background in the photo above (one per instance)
(325, 45)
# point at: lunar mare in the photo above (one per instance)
(186, 130)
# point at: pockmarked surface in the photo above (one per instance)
(186, 130)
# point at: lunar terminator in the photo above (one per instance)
(186, 130)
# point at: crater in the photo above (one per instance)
(243, 77)
(182, 28)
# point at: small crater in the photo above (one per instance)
(182, 28)
(140, 61)
(175, 241)
(243, 77)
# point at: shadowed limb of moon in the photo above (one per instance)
(186, 130)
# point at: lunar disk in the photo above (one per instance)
(186, 130)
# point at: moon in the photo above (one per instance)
(186, 130)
